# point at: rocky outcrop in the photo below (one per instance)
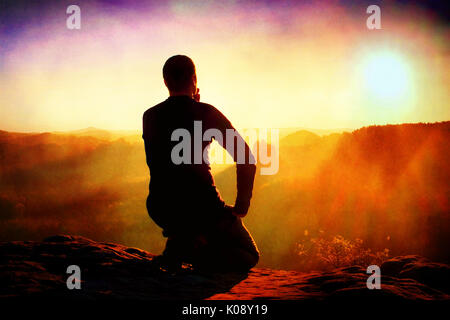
(114, 271)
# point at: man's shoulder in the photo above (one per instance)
(209, 108)
(154, 109)
(206, 108)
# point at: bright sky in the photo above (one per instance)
(261, 65)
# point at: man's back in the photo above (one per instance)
(184, 195)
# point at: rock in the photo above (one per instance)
(114, 271)
(435, 275)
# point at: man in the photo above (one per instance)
(183, 200)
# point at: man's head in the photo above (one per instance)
(179, 75)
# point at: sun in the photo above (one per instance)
(387, 76)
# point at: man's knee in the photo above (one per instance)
(246, 260)
(254, 258)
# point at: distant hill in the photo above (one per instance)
(300, 138)
(90, 131)
(130, 135)
(320, 132)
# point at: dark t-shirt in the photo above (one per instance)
(183, 196)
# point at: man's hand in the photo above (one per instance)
(196, 95)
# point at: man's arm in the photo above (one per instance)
(245, 178)
(245, 163)
(145, 136)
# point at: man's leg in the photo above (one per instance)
(181, 248)
(230, 247)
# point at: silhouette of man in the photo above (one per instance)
(183, 199)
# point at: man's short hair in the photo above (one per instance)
(177, 72)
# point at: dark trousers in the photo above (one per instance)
(225, 246)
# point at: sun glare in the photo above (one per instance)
(387, 76)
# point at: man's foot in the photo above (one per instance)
(168, 264)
